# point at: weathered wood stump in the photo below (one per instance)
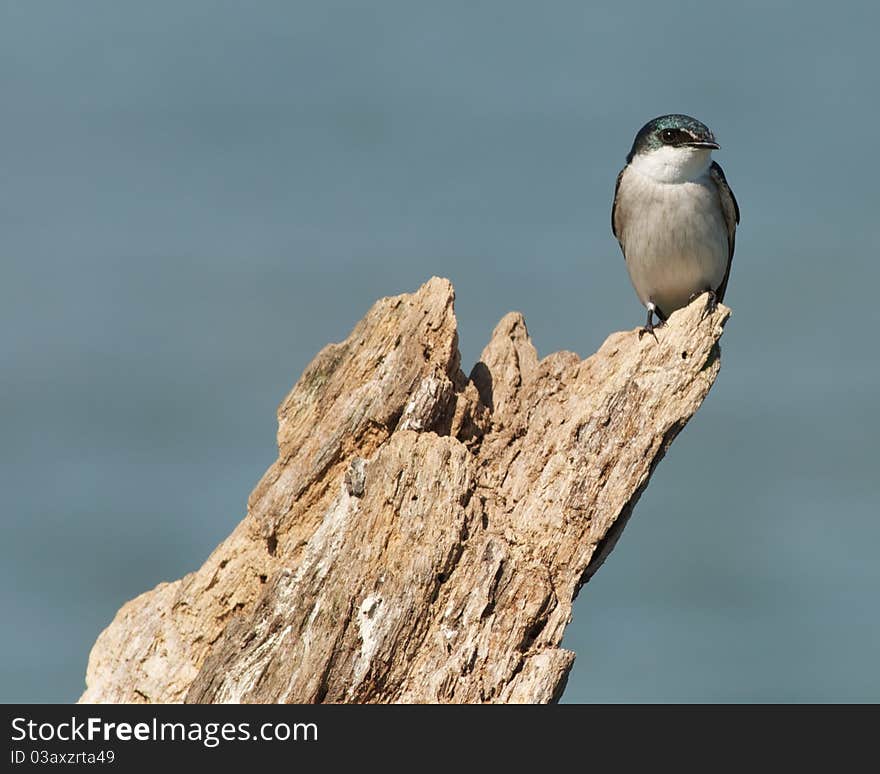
(423, 534)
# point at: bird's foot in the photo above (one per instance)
(711, 302)
(649, 325)
(651, 328)
(711, 305)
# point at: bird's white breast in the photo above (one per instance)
(674, 235)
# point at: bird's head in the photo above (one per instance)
(673, 149)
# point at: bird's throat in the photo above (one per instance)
(669, 164)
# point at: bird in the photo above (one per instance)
(675, 217)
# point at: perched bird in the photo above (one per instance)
(675, 217)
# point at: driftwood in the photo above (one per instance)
(422, 535)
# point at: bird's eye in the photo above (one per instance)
(669, 136)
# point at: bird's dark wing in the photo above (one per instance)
(616, 224)
(731, 217)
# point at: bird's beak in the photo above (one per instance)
(710, 145)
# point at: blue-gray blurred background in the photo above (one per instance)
(196, 196)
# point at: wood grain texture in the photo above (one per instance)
(423, 534)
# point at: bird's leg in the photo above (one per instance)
(649, 325)
(711, 302)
